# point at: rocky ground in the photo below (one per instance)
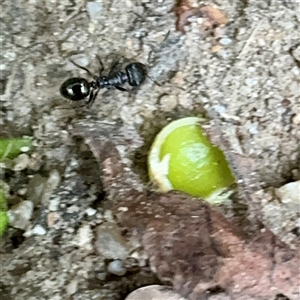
(243, 75)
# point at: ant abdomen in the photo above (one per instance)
(75, 89)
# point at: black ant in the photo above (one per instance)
(77, 88)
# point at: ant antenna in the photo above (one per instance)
(160, 45)
(138, 16)
(80, 67)
(101, 65)
(166, 37)
(152, 79)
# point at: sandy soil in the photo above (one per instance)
(248, 77)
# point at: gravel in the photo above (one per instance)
(247, 75)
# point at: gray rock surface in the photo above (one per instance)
(110, 243)
(20, 214)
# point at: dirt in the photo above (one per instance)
(244, 75)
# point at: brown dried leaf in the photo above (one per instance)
(183, 11)
(198, 250)
(213, 17)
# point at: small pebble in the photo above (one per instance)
(225, 41)
(70, 230)
(72, 287)
(38, 230)
(253, 129)
(90, 211)
(51, 184)
(110, 243)
(101, 275)
(67, 46)
(51, 218)
(73, 209)
(216, 48)
(35, 188)
(220, 109)
(108, 215)
(168, 102)
(94, 10)
(296, 119)
(84, 237)
(25, 149)
(116, 267)
(35, 162)
(22, 191)
(285, 102)
(251, 82)
(128, 3)
(54, 204)
(20, 214)
(21, 162)
(154, 292)
(289, 195)
(296, 52)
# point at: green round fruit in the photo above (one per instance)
(182, 158)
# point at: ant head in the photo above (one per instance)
(75, 89)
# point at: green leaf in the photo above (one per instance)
(3, 222)
(10, 148)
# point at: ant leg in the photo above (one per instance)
(80, 67)
(150, 53)
(166, 37)
(160, 45)
(79, 106)
(101, 65)
(113, 67)
(92, 99)
(121, 89)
